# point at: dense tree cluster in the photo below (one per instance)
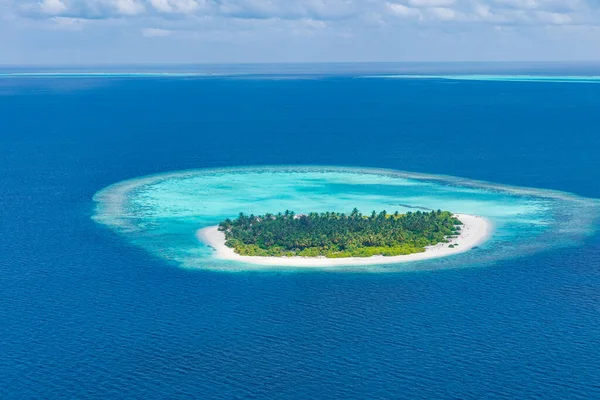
(337, 235)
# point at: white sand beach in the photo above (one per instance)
(475, 230)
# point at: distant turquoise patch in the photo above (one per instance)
(501, 78)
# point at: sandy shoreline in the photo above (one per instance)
(475, 230)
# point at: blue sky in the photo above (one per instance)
(222, 31)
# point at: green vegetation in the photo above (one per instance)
(336, 235)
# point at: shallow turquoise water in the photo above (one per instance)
(503, 78)
(161, 213)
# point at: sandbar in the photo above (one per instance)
(474, 231)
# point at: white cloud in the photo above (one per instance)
(442, 13)
(404, 11)
(286, 9)
(431, 3)
(154, 32)
(162, 5)
(482, 12)
(544, 5)
(178, 6)
(128, 7)
(539, 12)
(555, 18)
(52, 7)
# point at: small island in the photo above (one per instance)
(338, 235)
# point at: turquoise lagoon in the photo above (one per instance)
(161, 213)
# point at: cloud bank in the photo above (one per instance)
(379, 29)
(559, 12)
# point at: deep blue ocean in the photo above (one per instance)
(87, 315)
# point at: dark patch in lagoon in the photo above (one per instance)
(415, 207)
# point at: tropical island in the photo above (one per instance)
(338, 235)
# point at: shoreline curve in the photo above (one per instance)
(475, 231)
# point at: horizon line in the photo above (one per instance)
(242, 63)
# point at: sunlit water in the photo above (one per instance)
(161, 213)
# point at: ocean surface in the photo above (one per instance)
(106, 294)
